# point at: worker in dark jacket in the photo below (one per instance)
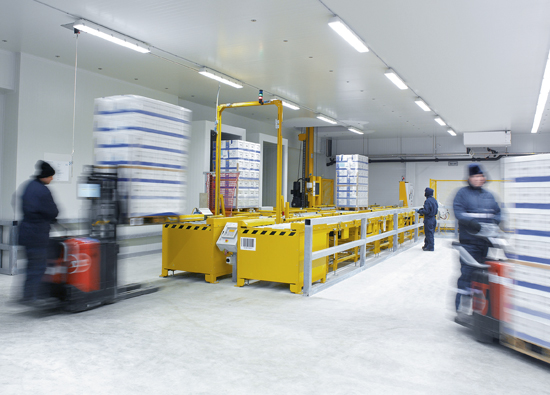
(473, 206)
(39, 211)
(429, 211)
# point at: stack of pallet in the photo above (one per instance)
(352, 181)
(527, 197)
(242, 157)
(146, 141)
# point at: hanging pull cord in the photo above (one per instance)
(74, 96)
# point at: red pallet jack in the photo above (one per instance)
(82, 271)
(487, 288)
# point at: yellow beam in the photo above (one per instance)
(279, 105)
(310, 163)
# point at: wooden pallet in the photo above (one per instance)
(525, 347)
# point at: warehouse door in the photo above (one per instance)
(269, 174)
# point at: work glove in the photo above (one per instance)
(474, 226)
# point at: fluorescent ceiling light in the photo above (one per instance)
(543, 96)
(287, 104)
(422, 104)
(451, 132)
(290, 105)
(216, 76)
(343, 30)
(109, 35)
(395, 79)
(355, 130)
(440, 121)
(326, 119)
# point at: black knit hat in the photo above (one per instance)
(474, 169)
(43, 169)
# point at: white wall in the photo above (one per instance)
(8, 68)
(44, 124)
(384, 177)
(9, 144)
(2, 101)
(424, 171)
(384, 183)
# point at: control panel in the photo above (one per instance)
(227, 242)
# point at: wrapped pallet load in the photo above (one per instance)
(352, 181)
(146, 141)
(242, 158)
(527, 198)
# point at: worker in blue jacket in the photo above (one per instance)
(429, 211)
(39, 211)
(473, 206)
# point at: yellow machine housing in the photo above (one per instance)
(191, 247)
(277, 255)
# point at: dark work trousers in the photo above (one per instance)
(36, 267)
(429, 230)
(478, 252)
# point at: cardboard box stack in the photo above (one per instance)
(244, 157)
(352, 181)
(147, 141)
(527, 198)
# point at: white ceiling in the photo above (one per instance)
(477, 63)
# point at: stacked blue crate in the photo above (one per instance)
(147, 141)
(352, 181)
(527, 198)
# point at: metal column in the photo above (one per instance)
(416, 219)
(308, 262)
(395, 228)
(363, 248)
(11, 247)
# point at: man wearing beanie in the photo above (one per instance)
(429, 211)
(473, 206)
(39, 211)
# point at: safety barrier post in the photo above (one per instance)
(416, 219)
(308, 250)
(11, 247)
(363, 248)
(395, 228)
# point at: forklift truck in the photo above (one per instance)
(82, 271)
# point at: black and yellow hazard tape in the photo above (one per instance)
(187, 227)
(271, 233)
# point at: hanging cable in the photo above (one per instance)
(76, 32)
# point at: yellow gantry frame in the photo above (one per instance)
(280, 197)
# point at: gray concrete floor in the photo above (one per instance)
(388, 330)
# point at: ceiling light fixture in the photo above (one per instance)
(287, 104)
(347, 34)
(393, 77)
(440, 121)
(218, 77)
(451, 132)
(422, 104)
(355, 130)
(110, 35)
(326, 119)
(543, 96)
